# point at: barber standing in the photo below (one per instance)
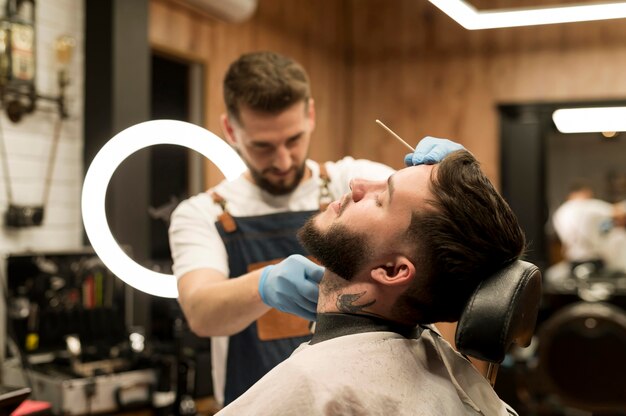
(223, 239)
(584, 223)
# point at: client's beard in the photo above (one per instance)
(341, 251)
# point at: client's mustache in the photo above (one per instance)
(344, 203)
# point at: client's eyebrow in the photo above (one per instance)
(390, 186)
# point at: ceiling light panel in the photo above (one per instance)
(470, 18)
(590, 120)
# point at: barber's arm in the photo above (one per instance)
(215, 305)
(212, 303)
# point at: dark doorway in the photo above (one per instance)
(175, 173)
(169, 164)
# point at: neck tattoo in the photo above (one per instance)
(347, 303)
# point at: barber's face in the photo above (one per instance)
(274, 146)
(367, 223)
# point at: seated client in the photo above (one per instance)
(399, 254)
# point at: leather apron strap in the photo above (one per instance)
(225, 218)
(325, 196)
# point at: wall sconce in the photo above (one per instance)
(18, 94)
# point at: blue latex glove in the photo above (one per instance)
(292, 286)
(431, 150)
(606, 225)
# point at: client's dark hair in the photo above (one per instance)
(465, 234)
(266, 82)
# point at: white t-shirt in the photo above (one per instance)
(578, 222)
(195, 242)
(374, 374)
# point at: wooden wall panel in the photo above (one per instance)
(311, 31)
(405, 62)
(422, 73)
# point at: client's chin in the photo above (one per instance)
(340, 250)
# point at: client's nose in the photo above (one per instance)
(361, 187)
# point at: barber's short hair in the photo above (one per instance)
(264, 81)
(466, 233)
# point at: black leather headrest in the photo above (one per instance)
(501, 312)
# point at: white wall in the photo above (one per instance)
(28, 143)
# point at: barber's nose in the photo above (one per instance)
(282, 160)
(361, 187)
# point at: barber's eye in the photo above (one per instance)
(293, 141)
(261, 149)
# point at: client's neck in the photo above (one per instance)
(359, 296)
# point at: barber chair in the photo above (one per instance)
(501, 313)
(582, 358)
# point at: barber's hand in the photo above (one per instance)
(431, 150)
(292, 286)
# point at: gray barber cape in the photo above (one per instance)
(372, 373)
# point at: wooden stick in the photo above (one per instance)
(395, 135)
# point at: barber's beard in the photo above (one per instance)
(340, 250)
(274, 188)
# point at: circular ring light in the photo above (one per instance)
(114, 152)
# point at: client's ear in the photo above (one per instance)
(397, 271)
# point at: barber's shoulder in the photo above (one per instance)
(197, 202)
(228, 190)
(349, 168)
(196, 211)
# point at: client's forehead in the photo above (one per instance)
(415, 180)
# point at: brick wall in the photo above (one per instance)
(28, 143)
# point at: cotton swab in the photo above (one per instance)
(394, 135)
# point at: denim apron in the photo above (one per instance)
(252, 243)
